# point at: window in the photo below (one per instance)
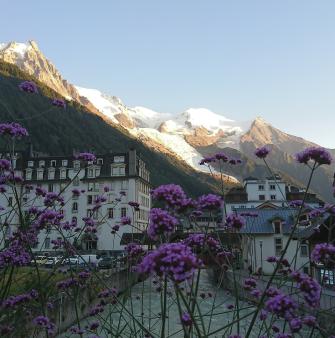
(50, 187)
(261, 197)
(41, 163)
(273, 197)
(110, 213)
(100, 161)
(90, 173)
(96, 187)
(53, 163)
(74, 207)
(97, 172)
(123, 212)
(118, 159)
(89, 199)
(261, 187)
(76, 165)
(51, 174)
(64, 163)
(277, 226)
(10, 201)
(272, 187)
(74, 220)
(304, 250)
(30, 164)
(40, 174)
(124, 184)
(278, 246)
(75, 181)
(47, 243)
(29, 174)
(118, 170)
(63, 173)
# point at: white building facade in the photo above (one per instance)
(119, 178)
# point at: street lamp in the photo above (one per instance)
(261, 247)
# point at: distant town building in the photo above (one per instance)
(268, 192)
(109, 175)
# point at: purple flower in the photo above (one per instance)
(173, 195)
(88, 157)
(295, 324)
(221, 156)
(210, 202)
(200, 242)
(160, 223)
(317, 154)
(249, 284)
(309, 287)
(324, 253)
(5, 164)
(59, 103)
(272, 259)
(125, 220)
(28, 87)
(234, 221)
(262, 152)
(309, 320)
(207, 160)
(134, 250)
(173, 260)
(13, 130)
(186, 319)
(282, 305)
(135, 205)
(45, 323)
(263, 315)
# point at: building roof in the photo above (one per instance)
(263, 223)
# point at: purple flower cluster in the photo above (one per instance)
(125, 220)
(282, 305)
(13, 130)
(234, 221)
(160, 223)
(209, 202)
(28, 87)
(59, 103)
(135, 205)
(324, 253)
(5, 164)
(220, 157)
(186, 319)
(17, 300)
(173, 196)
(173, 260)
(200, 242)
(45, 323)
(309, 287)
(317, 154)
(134, 250)
(262, 152)
(249, 284)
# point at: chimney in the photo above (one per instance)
(132, 161)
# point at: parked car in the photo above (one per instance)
(106, 263)
(40, 260)
(91, 260)
(52, 261)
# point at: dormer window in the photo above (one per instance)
(100, 161)
(53, 163)
(118, 159)
(30, 164)
(40, 174)
(277, 226)
(41, 164)
(90, 173)
(64, 163)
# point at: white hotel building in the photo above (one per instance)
(117, 172)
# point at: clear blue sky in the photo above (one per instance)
(238, 58)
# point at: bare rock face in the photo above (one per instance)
(201, 137)
(31, 60)
(125, 120)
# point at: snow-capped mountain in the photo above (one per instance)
(179, 133)
(28, 57)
